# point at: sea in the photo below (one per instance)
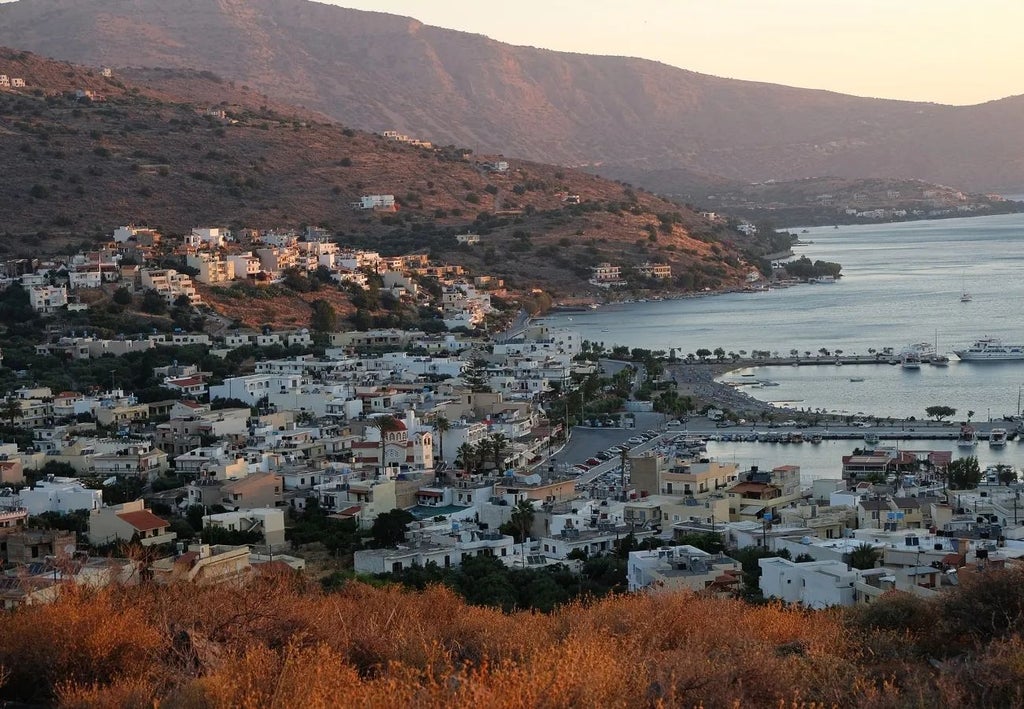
(901, 284)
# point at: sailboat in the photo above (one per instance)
(965, 297)
(938, 359)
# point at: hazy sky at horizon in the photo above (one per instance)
(947, 51)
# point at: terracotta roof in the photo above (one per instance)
(143, 520)
(186, 381)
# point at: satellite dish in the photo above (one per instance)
(69, 549)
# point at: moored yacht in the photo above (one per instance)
(910, 359)
(989, 348)
(997, 437)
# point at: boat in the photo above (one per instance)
(965, 297)
(910, 359)
(871, 438)
(816, 438)
(989, 348)
(968, 437)
(935, 358)
(796, 437)
(769, 384)
(856, 379)
(997, 437)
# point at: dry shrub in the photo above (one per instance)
(84, 638)
(280, 642)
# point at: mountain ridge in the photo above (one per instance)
(377, 71)
(90, 152)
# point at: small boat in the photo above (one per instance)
(939, 360)
(856, 379)
(769, 384)
(968, 437)
(965, 297)
(871, 438)
(910, 359)
(997, 437)
(816, 438)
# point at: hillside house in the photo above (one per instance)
(17, 83)
(127, 521)
(379, 202)
(48, 299)
(212, 269)
(244, 265)
(654, 270)
(606, 275)
(170, 284)
(5, 80)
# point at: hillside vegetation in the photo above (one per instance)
(78, 167)
(281, 642)
(377, 71)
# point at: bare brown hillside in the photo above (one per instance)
(377, 71)
(222, 154)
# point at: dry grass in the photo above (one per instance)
(282, 642)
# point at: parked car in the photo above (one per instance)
(603, 455)
(636, 440)
(592, 461)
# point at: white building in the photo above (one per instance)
(48, 299)
(267, 521)
(170, 284)
(212, 269)
(244, 265)
(680, 567)
(815, 584)
(60, 495)
(376, 201)
(211, 236)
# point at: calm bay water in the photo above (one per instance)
(824, 460)
(901, 284)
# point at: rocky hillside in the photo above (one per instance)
(88, 153)
(377, 71)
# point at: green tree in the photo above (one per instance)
(963, 473)
(864, 556)
(1006, 474)
(323, 317)
(388, 529)
(122, 296)
(522, 520)
(11, 410)
(703, 353)
(940, 412)
(153, 302)
(441, 426)
(475, 376)
(467, 457)
(499, 449)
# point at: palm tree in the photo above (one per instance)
(522, 519)
(10, 410)
(441, 426)
(863, 557)
(499, 449)
(384, 424)
(466, 456)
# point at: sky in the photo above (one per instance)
(946, 51)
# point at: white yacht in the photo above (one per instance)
(989, 348)
(910, 359)
(997, 437)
